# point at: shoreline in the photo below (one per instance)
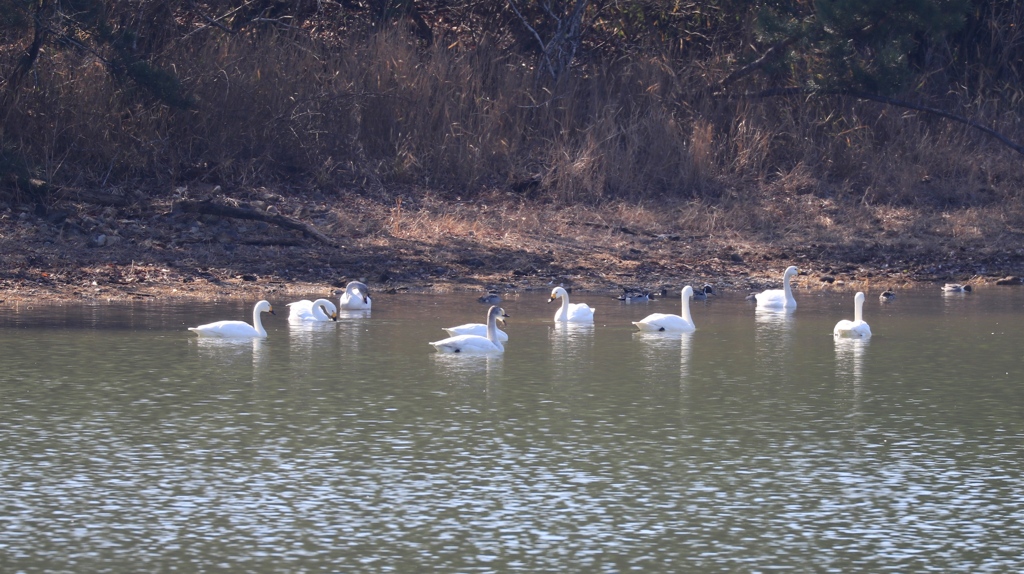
(429, 242)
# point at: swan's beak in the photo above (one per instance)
(271, 311)
(552, 298)
(334, 316)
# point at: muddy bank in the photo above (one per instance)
(144, 248)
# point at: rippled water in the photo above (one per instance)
(755, 444)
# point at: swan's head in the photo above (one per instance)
(498, 314)
(790, 271)
(328, 307)
(858, 299)
(687, 293)
(556, 293)
(265, 307)
(359, 287)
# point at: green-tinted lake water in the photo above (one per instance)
(756, 444)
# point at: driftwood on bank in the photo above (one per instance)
(210, 208)
(93, 197)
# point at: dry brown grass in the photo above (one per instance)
(447, 144)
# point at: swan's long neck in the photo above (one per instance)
(785, 287)
(685, 314)
(492, 328)
(563, 311)
(257, 323)
(492, 331)
(858, 310)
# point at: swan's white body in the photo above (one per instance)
(856, 329)
(225, 329)
(478, 329)
(666, 322)
(575, 312)
(475, 344)
(356, 296)
(779, 298)
(306, 310)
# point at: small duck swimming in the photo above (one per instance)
(702, 295)
(635, 295)
(956, 288)
(490, 298)
(886, 296)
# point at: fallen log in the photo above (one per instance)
(208, 207)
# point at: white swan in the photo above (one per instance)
(237, 328)
(306, 310)
(666, 322)
(779, 298)
(856, 329)
(479, 329)
(356, 296)
(575, 312)
(476, 343)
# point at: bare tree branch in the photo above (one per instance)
(769, 54)
(892, 102)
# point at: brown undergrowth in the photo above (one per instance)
(424, 240)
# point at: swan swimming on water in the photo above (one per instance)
(779, 298)
(479, 329)
(476, 343)
(356, 296)
(306, 310)
(237, 328)
(664, 322)
(956, 288)
(856, 329)
(886, 296)
(574, 312)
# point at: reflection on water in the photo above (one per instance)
(468, 368)
(850, 358)
(237, 355)
(773, 340)
(572, 347)
(657, 347)
(757, 443)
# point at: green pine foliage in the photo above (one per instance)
(871, 45)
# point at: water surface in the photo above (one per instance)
(757, 443)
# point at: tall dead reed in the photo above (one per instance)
(275, 106)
